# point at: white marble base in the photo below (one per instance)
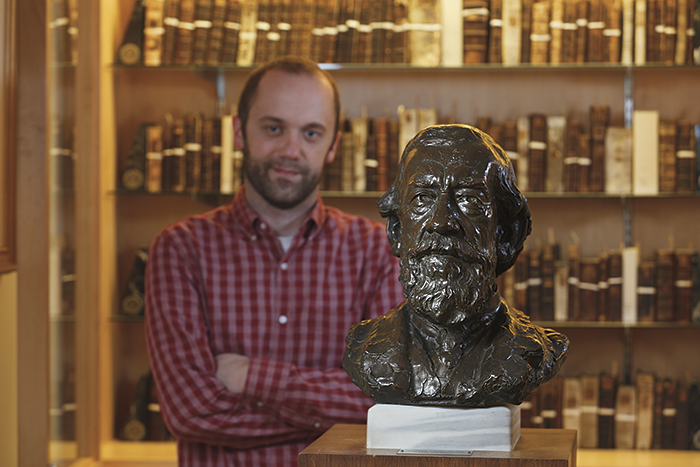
(420, 428)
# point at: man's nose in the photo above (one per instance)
(445, 219)
(291, 148)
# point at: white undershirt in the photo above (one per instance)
(286, 242)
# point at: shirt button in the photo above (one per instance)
(263, 226)
(317, 425)
(283, 319)
(260, 404)
(253, 237)
(284, 266)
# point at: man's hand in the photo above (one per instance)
(232, 370)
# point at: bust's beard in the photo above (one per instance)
(446, 289)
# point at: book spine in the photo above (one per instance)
(618, 160)
(184, 46)
(590, 386)
(263, 26)
(645, 165)
(495, 32)
(526, 31)
(685, 158)
(475, 17)
(202, 28)
(584, 162)
(630, 264)
(574, 258)
(512, 32)
(646, 292)
(582, 32)
(640, 28)
(537, 154)
(627, 46)
(625, 416)
(588, 289)
(556, 141)
(193, 151)
(645, 411)
(615, 285)
(603, 295)
(540, 37)
(154, 158)
(556, 26)
(612, 34)
(606, 412)
(153, 33)
(682, 286)
(216, 33)
(600, 117)
(667, 156)
(171, 20)
(232, 28)
(571, 165)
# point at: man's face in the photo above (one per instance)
(448, 231)
(288, 137)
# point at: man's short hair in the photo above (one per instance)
(288, 64)
(512, 210)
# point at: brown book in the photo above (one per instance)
(685, 157)
(193, 151)
(362, 53)
(612, 34)
(645, 411)
(603, 292)
(667, 156)
(590, 386)
(646, 292)
(537, 154)
(534, 287)
(383, 156)
(625, 416)
(654, 26)
(584, 162)
(665, 290)
(681, 429)
(582, 33)
(263, 26)
(170, 23)
(669, 35)
(475, 21)
(569, 32)
(556, 142)
(574, 259)
(346, 9)
(347, 168)
(509, 136)
(394, 149)
(216, 33)
(668, 414)
(521, 285)
(571, 165)
(232, 28)
(693, 34)
(184, 45)
(606, 412)
(302, 25)
(600, 118)
(556, 30)
(539, 36)
(526, 30)
(588, 289)
(177, 150)
(154, 158)
(683, 285)
(399, 47)
(330, 30)
(551, 403)
(550, 253)
(202, 28)
(371, 162)
(615, 285)
(496, 32)
(211, 155)
(153, 33)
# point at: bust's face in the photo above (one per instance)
(448, 222)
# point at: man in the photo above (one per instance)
(248, 305)
(457, 220)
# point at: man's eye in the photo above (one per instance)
(273, 129)
(312, 134)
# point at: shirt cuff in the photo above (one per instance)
(265, 383)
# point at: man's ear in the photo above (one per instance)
(238, 138)
(330, 157)
(393, 233)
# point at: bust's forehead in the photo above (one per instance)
(474, 154)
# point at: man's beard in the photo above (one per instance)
(282, 194)
(445, 284)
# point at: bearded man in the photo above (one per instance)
(457, 220)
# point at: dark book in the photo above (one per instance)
(603, 292)
(588, 289)
(695, 290)
(216, 33)
(329, 44)
(606, 412)
(665, 290)
(496, 32)
(382, 148)
(550, 253)
(526, 30)
(134, 175)
(667, 156)
(399, 51)
(184, 45)
(263, 26)
(551, 403)
(534, 287)
(681, 429)
(654, 28)
(132, 301)
(683, 285)
(571, 164)
(193, 151)
(540, 36)
(569, 32)
(658, 422)
(646, 291)
(582, 12)
(574, 259)
(584, 162)
(371, 162)
(318, 33)
(600, 118)
(154, 158)
(394, 150)
(177, 171)
(475, 27)
(596, 25)
(171, 19)
(509, 137)
(232, 28)
(347, 169)
(362, 53)
(130, 51)
(537, 154)
(615, 285)
(202, 28)
(668, 414)
(685, 158)
(668, 36)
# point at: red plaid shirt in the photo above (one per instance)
(220, 282)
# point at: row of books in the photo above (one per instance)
(612, 287)
(450, 32)
(649, 413)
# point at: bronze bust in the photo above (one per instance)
(457, 220)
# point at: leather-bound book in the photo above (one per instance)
(646, 292)
(667, 156)
(654, 30)
(154, 158)
(588, 289)
(571, 165)
(590, 389)
(343, 53)
(582, 12)
(202, 28)
(606, 411)
(549, 254)
(574, 259)
(171, 19)
(394, 149)
(347, 159)
(693, 33)
(668, 414)
(537, 154)
(668, 37)
(556, 25)
(685, 158)
(600, 118)
(584, 162)
(521, 285)
(359, 153)
(135, 427)
(680, 436)
(371, 162)
(618, 160)
(362, 54)
(665, 290)
(522, 123)
(509, 136)
(645, 411)
(539, 34)
(475, 20)
(571, 404)
(318, 31)
(683, 285)
(627, 39)
(134, 175)
(263, 26)
(569, 32)
(526, 31)
(625, 416)
(177, 151)
(556, 145)
(232, 28)
(330, 32)
(512, 32)
(216, 33)
(308, 14)
(383, 156)
(248, 35)
(630, 279)
(640, 32)
(495, 47)
(193, 151)
(645, 164)
(130, 51)
(603, 292)
(551, 403)
(612, 34)
(377, 14)
(153, 33)
(184, 45)
(615, 285)
(211, 154)
(561, 290)
(534, 286)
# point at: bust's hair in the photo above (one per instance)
(512, 210)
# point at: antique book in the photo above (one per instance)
(184, 44)
(72, 32)
(574, 259)
(556, 141)
(600, 118)
(371, 163)
(551, 403)
(584, 160)
(317, 31)
(408, 126)
(588, 288)
(668, 414)
(202, 27)
(526, 30)
(683, 20)
(668, 36)
(283, 24)
(305, 24)
(539, 34)
(134, 174)
(153, 33)
(263, 26)
(135, 427)
(695, 289)
(683, 285)
(133, 298)
(556, 30)
(693, 33)
(618, 160)
(645, 158)
(211, 155)
(645, 410)
(400, 52)
(654, 30)
(521, 285)
(226, 180)
(177, 152)
(171, 19)
(665, 271)
(523, 126)
(424, 34)
(475, 19)
(216, 33)
(646, 292)
(630, 264)
(681, 430)
(640, 32)
(571, 404)
(603, 274)
(509, 138)
(154, 158)
(347, 160)
(561, 290)
(232, 28)
(330, 31)
(512, 32)
(363, 51)
(627, 40)
(537, 152)
(549, 254)
(394, 149)
(359, 152)
(571, 165)
(625, 416)
(383, 156)
(685, 157)
(569, 32)
(193, 151)
(534, 286)
(495, 48)
(590, 393)
(582, 32)
(615, 285)
(657, 428)
(667, 156)
(612, 34)
(248, 35)
(606, 411)
(130, 51)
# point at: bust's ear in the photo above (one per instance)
(393, 233)
(511, 238)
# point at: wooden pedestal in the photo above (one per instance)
(344, 446)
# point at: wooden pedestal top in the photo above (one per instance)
(344, 446)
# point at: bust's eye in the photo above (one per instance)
(421, 199)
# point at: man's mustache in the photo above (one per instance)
(442, 245)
